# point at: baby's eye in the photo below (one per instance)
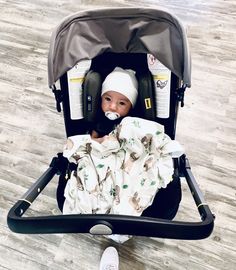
(107, 98)
(122, 103)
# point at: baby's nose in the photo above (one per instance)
(113, 106)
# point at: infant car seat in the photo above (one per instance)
(89, 36)
(167, 200)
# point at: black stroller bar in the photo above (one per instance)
(108, 224)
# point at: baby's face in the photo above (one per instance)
(116, 102)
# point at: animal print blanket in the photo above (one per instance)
(122, 174)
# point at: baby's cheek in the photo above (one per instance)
(124, 111)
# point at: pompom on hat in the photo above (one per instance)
(122, 81)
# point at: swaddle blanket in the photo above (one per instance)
(122, 174)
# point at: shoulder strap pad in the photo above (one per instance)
(146, 95)
(91, 95)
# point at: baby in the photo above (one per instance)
(118, 97)
(119, 94)
(137, 149)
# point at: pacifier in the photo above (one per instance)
(112, 115)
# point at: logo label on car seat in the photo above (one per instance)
(148, 103)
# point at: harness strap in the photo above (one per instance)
(58, 97)
(180, 94)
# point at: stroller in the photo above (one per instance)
(84, 48)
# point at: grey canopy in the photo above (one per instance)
(87, 34)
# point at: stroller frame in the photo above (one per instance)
(59, 64)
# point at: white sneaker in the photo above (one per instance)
(109, 259)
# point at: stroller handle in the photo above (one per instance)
(110, 224)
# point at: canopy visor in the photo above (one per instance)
(87, 34)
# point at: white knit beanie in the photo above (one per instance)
(122, 81)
